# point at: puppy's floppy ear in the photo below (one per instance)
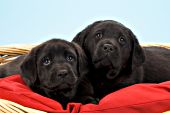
(81, 36)
(29, 67)
(82, 64)
(137, 56)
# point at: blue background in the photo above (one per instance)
(34, 21)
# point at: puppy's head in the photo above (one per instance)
(54, 67)
(111, 46)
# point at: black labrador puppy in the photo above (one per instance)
(57, 69)
(117, 60)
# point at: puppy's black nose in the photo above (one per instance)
(62, 73)
(108, 48)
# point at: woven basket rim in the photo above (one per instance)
(12, 107)
(11, 51)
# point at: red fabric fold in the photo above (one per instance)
(14, 89)
(139, 98)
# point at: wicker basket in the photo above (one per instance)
(11, 107)
(8, 53)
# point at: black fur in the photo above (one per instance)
(117, 59)
(12, 67)
(56, 69)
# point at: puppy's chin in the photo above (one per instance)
(112, 74)
(67, 92)
(105, 61)
(101, 61)
(110, 67)
(59, 87)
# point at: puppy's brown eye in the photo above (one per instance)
(99, 35)
(122, 40)
(69, 58)
(46, 61)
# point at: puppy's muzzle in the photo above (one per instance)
(62, 73)
(107, 48)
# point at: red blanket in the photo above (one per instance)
(140, 98)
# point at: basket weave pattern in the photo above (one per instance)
(7, 53)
